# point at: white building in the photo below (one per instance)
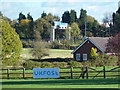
(60, 25)
(57, 25)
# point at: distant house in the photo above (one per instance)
(82, 52)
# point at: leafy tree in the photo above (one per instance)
(40, 49)
(37, 36)
(29, 17)
(83, 15)
(21, 16)
(82, 20)
(93, 52)
(43, 26)
(91, 26)
(1, 13)
(4, 17)
(50, 18)
(116, 22)
(90, 19)
(23, 26)
(73, 16)
(66, 17)
(43, 15)
(75, 31)
(31, 25)
(11, 44)
(24, 30)
(103, 60)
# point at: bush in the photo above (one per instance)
(46, 65)
(60, 64)
(40, 49)
(27, 43)
(55, 45)
(104, 60)
(65, 44)
(75, 64)
(31, 64)
(86, 63)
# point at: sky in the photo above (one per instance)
(94, 8)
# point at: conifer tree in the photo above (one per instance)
(11, 44)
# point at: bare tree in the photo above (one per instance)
(107, 20)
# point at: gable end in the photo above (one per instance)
(84, 43)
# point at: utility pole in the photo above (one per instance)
(85, 31)
(69, 37)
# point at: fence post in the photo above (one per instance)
(87, 72)
(104, 72)
(23, 73)
(71, 71)
(8, 74)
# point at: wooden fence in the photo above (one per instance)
(73, 72)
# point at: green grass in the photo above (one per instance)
(53, 53)
(59, 53)
(60, 83)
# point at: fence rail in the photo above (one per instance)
(73, 72)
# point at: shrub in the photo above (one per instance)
(93, 53)
(46, 65)
(40, 49)
(60, 64)
(27, 44)
(31, 64)
(86, 63)
(55, 45)
(104, 60)
(65, 44)
(75, 64)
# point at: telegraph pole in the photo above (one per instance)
(85, 29)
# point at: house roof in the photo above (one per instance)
(99, 42)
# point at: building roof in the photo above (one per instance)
(99, 42)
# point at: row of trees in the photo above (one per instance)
(93, 28)
(26, 27)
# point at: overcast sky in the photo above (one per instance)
(95, 8)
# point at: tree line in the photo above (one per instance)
(27, 27)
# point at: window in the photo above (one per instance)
(84, 57)
(78, 57)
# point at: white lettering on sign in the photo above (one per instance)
(46, 72)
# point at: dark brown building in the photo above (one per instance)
(82, 52)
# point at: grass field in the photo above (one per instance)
(53, 53)
(60, 83)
